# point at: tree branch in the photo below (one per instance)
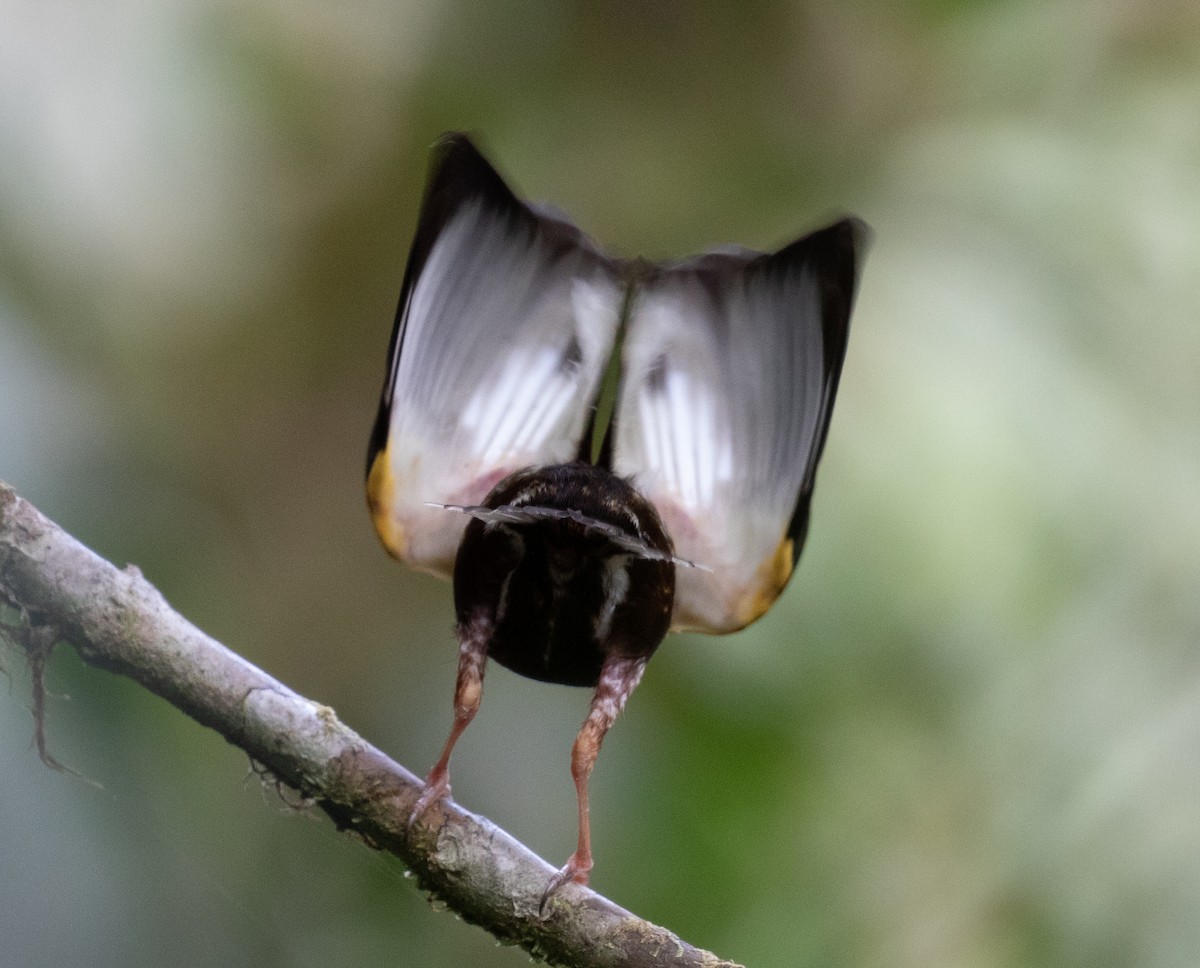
(116, 620)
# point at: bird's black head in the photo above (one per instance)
(574, 566)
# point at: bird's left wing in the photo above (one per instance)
(506, 323)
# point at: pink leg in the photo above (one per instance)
(468, 691)
(618, 678)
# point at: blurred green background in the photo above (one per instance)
(968, 735)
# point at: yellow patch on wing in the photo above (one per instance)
(381, 490)
(770, 579)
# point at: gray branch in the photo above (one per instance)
(57, 590)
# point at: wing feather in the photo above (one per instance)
(506, 322)
(730, 368)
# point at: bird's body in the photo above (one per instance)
(577, 538)
(559, 595)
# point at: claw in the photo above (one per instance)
(437, 787)
(575, 869)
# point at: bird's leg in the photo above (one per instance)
(618, 678)
(468, 690)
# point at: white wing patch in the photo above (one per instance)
(728, 373)
(506, 337)
(720, 408)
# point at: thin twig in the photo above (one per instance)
(116, 620)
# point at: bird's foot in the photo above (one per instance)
(437, 787)
(575, 869)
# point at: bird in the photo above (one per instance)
(597, 451)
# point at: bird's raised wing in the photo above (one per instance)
(729, 371)
(506, 323)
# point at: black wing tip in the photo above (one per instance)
(838, 249)
(848, 239)
(455, 153)
(840, 245)
(455, 141)
(835, 255)
(852, 229)
(458, 170)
